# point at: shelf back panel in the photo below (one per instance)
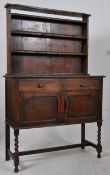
(46, 45)
(46, 65)
(46, 27)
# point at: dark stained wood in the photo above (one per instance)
(90, 144)
(10, 96)
(83, 135)
(32, 112)
(44, 10)
(81, 104)
(47, 19)
(47, 81)
(11, 154)
(26, 64)
(82, 83)
(48, 92)
(22, 153)
(85, 30)
(7, 141)
(56, 76)
(43, 45)
(9, 58)
(99, 146)
(16, 157)
(46, 35)
(40, 85)
(34, 52)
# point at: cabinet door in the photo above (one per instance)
(39, 108)
(82, 106)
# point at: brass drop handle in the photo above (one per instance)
(40, 85)
(82, 85)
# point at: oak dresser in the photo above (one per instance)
(47, 81)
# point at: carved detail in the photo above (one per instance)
(16, 161)
(99, 146)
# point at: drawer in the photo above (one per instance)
(81, 83)
(39, 85)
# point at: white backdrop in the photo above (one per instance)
(99, 64)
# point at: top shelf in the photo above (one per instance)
(45, 10)
(47, 19)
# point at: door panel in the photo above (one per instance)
(40, 108)
(82, 105)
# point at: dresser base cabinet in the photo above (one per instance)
(47, 82)
(75, 100)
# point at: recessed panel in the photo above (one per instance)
(82, 106)
(39, 108)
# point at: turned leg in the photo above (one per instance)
(83, 135)
(16, 156)
(99, 146)
(7, 141)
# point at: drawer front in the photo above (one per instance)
(82, 83)
(39, 85)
